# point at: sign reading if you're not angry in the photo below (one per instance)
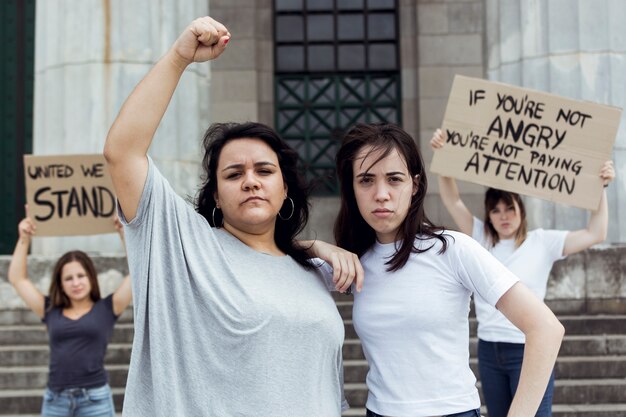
(69, 194)
(526, 141)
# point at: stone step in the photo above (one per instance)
(576, 367)
(566, 392)
(37, 335)
(574, 325)
(25, 316)
(28, 377)
(38, 355)
(578, 345)
(558, 410)
(590, 391)
(28, 401)
(118, 414)
(355, 371)
(119, 353)
(591, 367)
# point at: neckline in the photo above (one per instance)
(247, 248)
(79, 318)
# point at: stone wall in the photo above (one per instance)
(242, 87)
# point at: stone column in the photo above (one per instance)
(89, 56)
(449, 41)
(572, 48)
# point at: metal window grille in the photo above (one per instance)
(336, 64)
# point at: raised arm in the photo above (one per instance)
(544, 334)
(131, 134)
(450, 195)
(18, 272)
(123, 294)
(597, 228)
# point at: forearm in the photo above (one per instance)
(18, 268)
(540, 352)
(451, 198)
(449, 191)
(599, 220)
(139, 118)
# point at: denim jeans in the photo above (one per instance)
(78, 402)
(470, 413)
(500, 364)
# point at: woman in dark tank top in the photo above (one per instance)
(79, 322)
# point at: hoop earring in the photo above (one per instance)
(293, 209)
(213, 218)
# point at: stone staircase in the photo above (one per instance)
(591, 369)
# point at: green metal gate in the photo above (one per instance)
(312, 113)
(336, 63)
(17, 58)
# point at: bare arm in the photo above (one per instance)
(598, 225)
(131, 134)
(123, 294)
(544, 334)
(18, 272)
(450, 195)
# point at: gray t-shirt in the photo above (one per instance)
(221, 329)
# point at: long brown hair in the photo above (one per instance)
(352, 231)
(57, 297)
(492, 197)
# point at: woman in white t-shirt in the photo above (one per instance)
(530, 256)
(412, 314)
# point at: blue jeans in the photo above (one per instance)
(500, 364)
(470, 413)
(78, 402)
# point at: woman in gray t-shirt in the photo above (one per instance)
(231, 318)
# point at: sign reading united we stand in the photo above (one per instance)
(69, 194)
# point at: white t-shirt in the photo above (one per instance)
(414, 327)
(531, 262)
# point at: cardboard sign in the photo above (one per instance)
(69, 194)
(526, 141)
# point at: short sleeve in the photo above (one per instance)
(326, 271)
(479, 271)
(153, 176)
(46, 309)
(108, 303)
(554, 242)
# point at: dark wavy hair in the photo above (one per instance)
(492, 197)
(57, 297)
(352, 231)
(218, 135)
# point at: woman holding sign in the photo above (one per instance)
(412, 314)
(231, 318)
(530, 255)
(79, 323)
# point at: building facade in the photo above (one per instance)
(310, 68)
